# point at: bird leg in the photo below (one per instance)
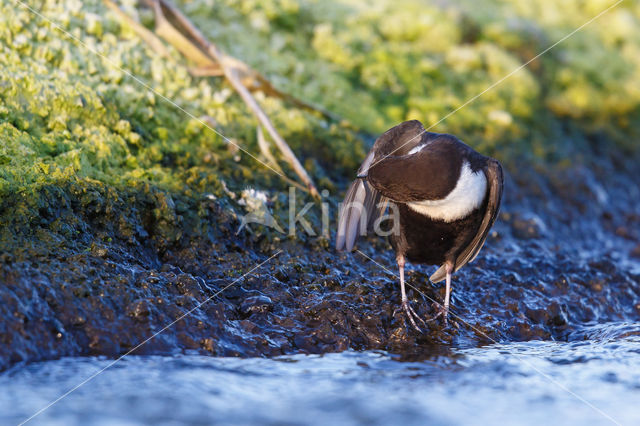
(444, 310)
(447, 294)
(411, 314)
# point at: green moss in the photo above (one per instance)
(68, 114)
(380, 62)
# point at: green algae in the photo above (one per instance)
(381, 62)
(94, 103)
(85, 102)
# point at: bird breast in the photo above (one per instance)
(466, 196)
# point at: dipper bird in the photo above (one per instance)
(443, 194)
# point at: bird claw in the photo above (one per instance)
(411, 314)
(440, 311)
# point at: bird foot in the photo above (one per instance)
(411, 314)
(441, 311)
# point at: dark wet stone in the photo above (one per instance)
(99, 250)
(139, 309)
(118, 267)
(604, 265)
(256, 304)
(79, 321)
(526, 227)
(188, 285)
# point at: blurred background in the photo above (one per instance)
(69, 112)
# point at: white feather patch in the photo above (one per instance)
(467, 195)
(416, 149)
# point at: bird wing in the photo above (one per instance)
(362, 205)
(428, 174)
(493, 172)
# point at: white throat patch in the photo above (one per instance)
(467, 195)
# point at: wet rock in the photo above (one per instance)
(139, 309)
(527, 226)
(208, 345)
(256, 304)
(188, 285)
(79, 321)
(98, 250)
(107, 289)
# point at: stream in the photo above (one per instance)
(595, 381)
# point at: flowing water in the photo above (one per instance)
(595, 381)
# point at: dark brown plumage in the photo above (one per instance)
(444, 198)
